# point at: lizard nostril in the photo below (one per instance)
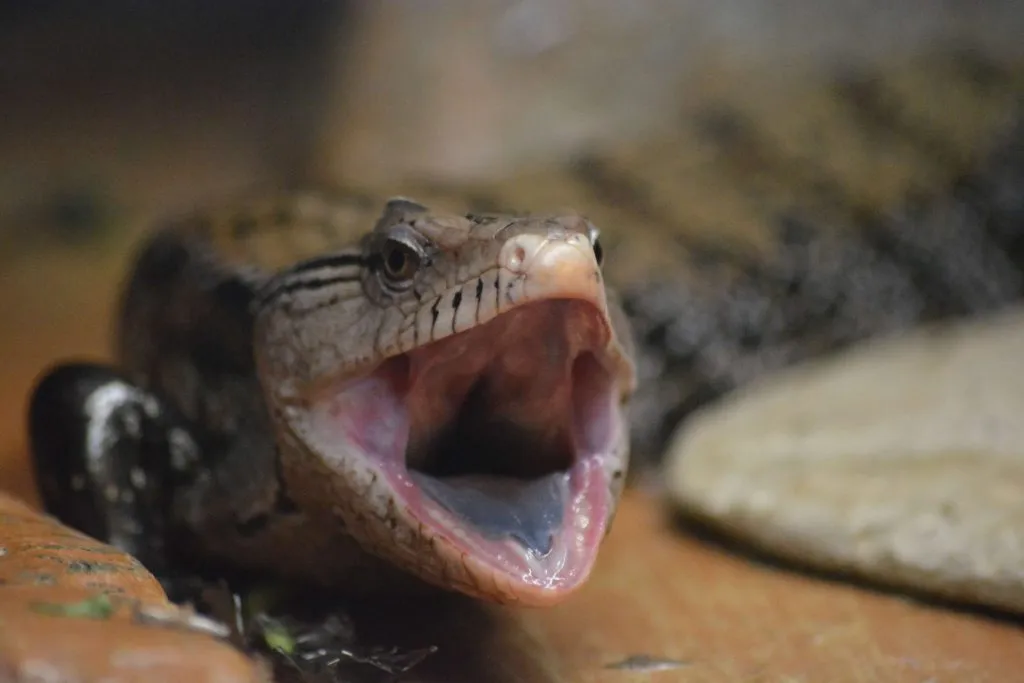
(517, 258)
(518, 253)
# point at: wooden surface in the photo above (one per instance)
(657, 591)
(70, 610)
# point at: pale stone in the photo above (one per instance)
(901, 460)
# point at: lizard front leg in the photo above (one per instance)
(108, 455)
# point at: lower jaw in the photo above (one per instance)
(428, 538)
(498, 568)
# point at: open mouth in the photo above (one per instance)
(501, 441)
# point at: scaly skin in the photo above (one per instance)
(277, 306)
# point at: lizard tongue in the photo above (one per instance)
(531, 512)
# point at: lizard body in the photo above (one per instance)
(441, 394)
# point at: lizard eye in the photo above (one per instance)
(400, 260)
(598, 249)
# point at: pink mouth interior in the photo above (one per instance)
(498, 440)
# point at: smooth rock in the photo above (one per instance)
(900, 460)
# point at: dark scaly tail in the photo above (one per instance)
(954, 254)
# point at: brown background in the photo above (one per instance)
(146, 114)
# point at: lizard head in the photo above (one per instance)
(454, 391)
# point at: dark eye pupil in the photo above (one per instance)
(396, 260)
(598, 251)
(399, 261)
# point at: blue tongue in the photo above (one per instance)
(502, 507)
